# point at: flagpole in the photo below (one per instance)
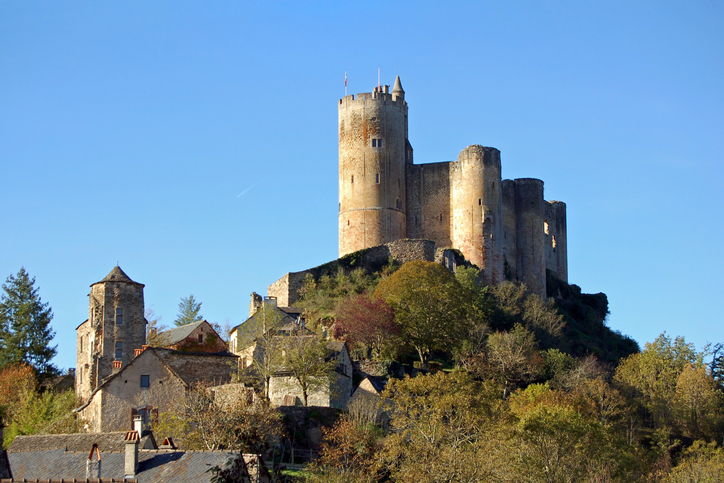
(345, 83)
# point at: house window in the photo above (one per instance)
(377, 143)
(201, 338)
(119, 316)
(377, 178)
(145, 380)
(119, 350)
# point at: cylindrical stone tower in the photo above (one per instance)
(529, 207)
(372, 148)
(476, 199)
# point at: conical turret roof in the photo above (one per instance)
(397, 88)
(118, 275)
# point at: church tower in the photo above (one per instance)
(373, 153)
(114, 328)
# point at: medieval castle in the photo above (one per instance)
(505, 227)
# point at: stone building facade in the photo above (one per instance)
(505, 227)
(115, 328)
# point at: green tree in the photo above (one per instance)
(188, 311)
(651, 376)
(429, 306)
(25, 332)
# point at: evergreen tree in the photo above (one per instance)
(25, 332)
(188, 311)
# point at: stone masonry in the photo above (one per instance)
(505, 227)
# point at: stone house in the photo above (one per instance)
(285, 391)
(196, 337)
(265, 318)
(149, 384)
(119, 457)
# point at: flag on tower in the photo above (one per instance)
(345, 83)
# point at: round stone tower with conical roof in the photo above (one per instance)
(373, 152)
(115, 327)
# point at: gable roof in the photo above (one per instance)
(247, 331)
(117, 275)
(176, 335)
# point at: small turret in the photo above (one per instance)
(397, 90)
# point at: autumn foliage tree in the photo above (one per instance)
(368, 323)
(429, 306)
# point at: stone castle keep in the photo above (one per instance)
(505, 227)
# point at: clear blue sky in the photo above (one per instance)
(196, 142)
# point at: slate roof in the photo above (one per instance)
(154, 465)
(176, 335)
(107, 442)
(117, 275)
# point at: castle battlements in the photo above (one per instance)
(505, 227)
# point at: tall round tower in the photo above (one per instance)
(372, 150)
(477, 221)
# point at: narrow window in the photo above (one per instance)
(374, 143)
(201, 338)
(81, 343)
(440, 217)
(553, 242)
(347, 222)
(545, 227)
(145, 380)
(398, 183)
(119, 350)
(352, 178)
(119, 316)
(480, 202)
(377, 178)
(379, 143)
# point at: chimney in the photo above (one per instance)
(131, 463)
(138, 424)
(93, 467)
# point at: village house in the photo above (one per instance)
(196, 337)
(149, 384)
(285, 391)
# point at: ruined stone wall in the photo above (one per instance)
(529, 214)
(428, 198)
(556, 239)
(372, 152)
(372, 259)
(477, 225)
(510, 234)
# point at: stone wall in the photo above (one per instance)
(371, 259)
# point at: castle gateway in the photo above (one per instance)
(505, 227)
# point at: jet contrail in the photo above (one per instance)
(244, 192)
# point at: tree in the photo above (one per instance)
(428, 305)
(651, 375)
(308, 363)
(513, 357)
(261, 331)
(188, 311)
(25, 332)
(367, 322)
(204, 419)
(154, 329)
(441, 427)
